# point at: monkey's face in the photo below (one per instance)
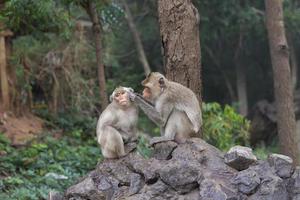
(154, 84)
(147, 93)
(121, 97)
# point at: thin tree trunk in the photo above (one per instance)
(288, 138)
(179, 29)
(3, 75)
(97, 34)
(216, 62)
(137, 38)
(241, 82)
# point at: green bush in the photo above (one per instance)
(29, 173)
(224, 128)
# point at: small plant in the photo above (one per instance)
(224, 128)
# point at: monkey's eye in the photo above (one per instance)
(123, 92)
(118, 94)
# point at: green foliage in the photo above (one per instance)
(224, 128)
(49, 164)
(72, 122)
(262, 151)
(143, 148)
(34, 16)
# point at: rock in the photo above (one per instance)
(271, 189)
(148, 168)
(53, 195)
(282, 164)
(84, 189)
(129, 147)
(136, 183)
(240, 157)
(212, 191)
(247, 181)
(181, 176)
(192, 170)
(294, 184)
(163, 151)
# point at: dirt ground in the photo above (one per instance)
(20, 129)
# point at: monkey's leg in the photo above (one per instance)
(114, 146)
(169, 134)
(129, 136)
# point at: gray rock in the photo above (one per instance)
(192, 195)
(85, 189)
(296, 197)
(239, 157)
(181, 176)
(271, 189)
(294, 184)
(282, 164)
(212, 191)
(193, 170)
(136, 184)
(163, 151)
(247, 181)
(148, 168)
(53, 195)
(116, 168)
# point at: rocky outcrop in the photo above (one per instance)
(240, 157)
(193, 170)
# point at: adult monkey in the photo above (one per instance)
(117, 124)
(172, 106)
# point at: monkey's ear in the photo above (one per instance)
(111, 97)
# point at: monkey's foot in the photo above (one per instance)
(156, 140)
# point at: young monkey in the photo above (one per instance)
(117, 124)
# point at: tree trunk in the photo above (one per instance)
(294, 66)
(241, 89)
(136, 38)
(97, 34)
(241, 82)
(216, 61)
(3, 75)
(179, 29)
(288, 138)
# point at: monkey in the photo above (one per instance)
(117, 124)
(172, 106)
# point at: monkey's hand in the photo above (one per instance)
(156, 140)
(132, 96)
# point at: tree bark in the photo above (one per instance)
(288, 138)
(294, 66)
(136, 38)
(97, 34)
(179, 29)
(3, 75)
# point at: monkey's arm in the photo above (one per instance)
(106, 119)
(149, 110)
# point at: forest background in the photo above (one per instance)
(53, 89)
